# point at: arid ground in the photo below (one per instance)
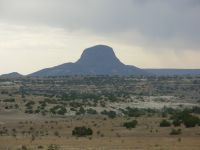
(37, 113)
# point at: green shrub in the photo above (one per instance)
(24, 147)
(29, 111)
(92, 111)
(186, 118)
(111, 114)
(40, 147)
(82, 131)
(30, 103)
(60, 110)
(52, 147)
(9, 100)
(176, 123)
(192, 121)
(165, 123)
(81, 111)
(175, 132)
(131, 124)
(134, 112)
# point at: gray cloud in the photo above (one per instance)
(158, 23)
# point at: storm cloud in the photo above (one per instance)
(153, 25)
(163, 23)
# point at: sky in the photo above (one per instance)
(36, 34)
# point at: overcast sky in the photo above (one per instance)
(36, 34)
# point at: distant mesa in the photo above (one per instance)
(12, 75)
(101, 60)
(96, 60)
(173, 72)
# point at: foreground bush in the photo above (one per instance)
(92, 111)
(186, 118)
(53, 147)
(135, 112)
(131, 124)
(176, 123)
(60, 110)
(82, 131)
(111, 114)
(165, 123)
(191, 121)
(175, 132)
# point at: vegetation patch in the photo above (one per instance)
(186, 118)
(165, 123)
(131, 124)
(82, 131)
(111, 114)
(58, 109)
(175, 132)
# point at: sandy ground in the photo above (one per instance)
(146, 136)
(112, 143)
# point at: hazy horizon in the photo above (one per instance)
(38, 34)
(80, 56)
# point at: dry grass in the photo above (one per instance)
(108, 134)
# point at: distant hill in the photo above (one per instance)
(97, 60)
(172, 72)
(101, 60)
(11, 75)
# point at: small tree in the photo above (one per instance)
(52, 147)
(186, 118)
(111, 114)
(176, 123)
(82, 131)
(131, 124)
(24, 147)
(165, 123)
(175, 132)
(191, 121)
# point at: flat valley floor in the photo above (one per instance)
(108, 134)
(41, 113)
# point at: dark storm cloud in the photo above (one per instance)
(162, 23)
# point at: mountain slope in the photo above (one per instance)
(11, 75)
(172, 72)
(97, 60)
